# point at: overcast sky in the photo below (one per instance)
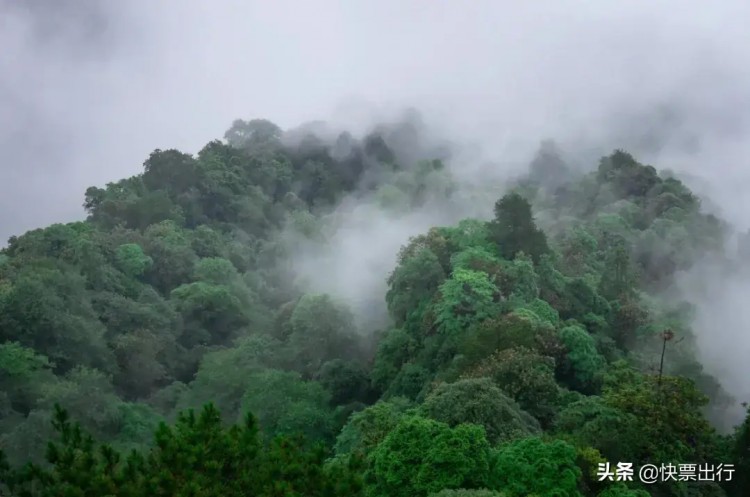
(88, 88)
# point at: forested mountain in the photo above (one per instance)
(164, 347)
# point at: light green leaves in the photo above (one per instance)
(466, 298)
(131, 260)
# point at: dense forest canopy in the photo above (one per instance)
(166, 346)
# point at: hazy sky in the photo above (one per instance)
(89, 88)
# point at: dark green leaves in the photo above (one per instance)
(513, 229)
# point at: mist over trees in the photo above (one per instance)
(166, 346)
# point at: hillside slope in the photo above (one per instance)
(521, 351)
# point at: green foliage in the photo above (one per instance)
(410, 382)
(579, 298)
(473, 258)
(532, 466)
(589, 422)
(214, 314)
(367, 428)
(585, 361)
(470, 234)
(544, 311)
(521, 328)
(138, 423)
(346, 381)
(252, 134)
(394, 350)
(421, 456)
(626, 319)
(578, 249)
(196, 456)
(321, 329)
(415, 279)
(141, 369)
(181, 290)
(22, 373)
(480, 402)
(618, 276)
(513, 229)
(630, 179)
(522, 279)
(206, 242)
(131, 260)
(672, 426)
(527, 377)
(216, 271)
(467, 493)
(47, 309)
(740, 455)
(467, 297)
(20, 362)
(88, 395)
(224, 375)
(285, 404)
(620, 490)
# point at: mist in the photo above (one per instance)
(89, 89)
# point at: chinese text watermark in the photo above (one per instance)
(651, 473)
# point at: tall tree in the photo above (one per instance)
(513, 229)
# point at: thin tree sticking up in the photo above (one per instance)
(666, 336)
